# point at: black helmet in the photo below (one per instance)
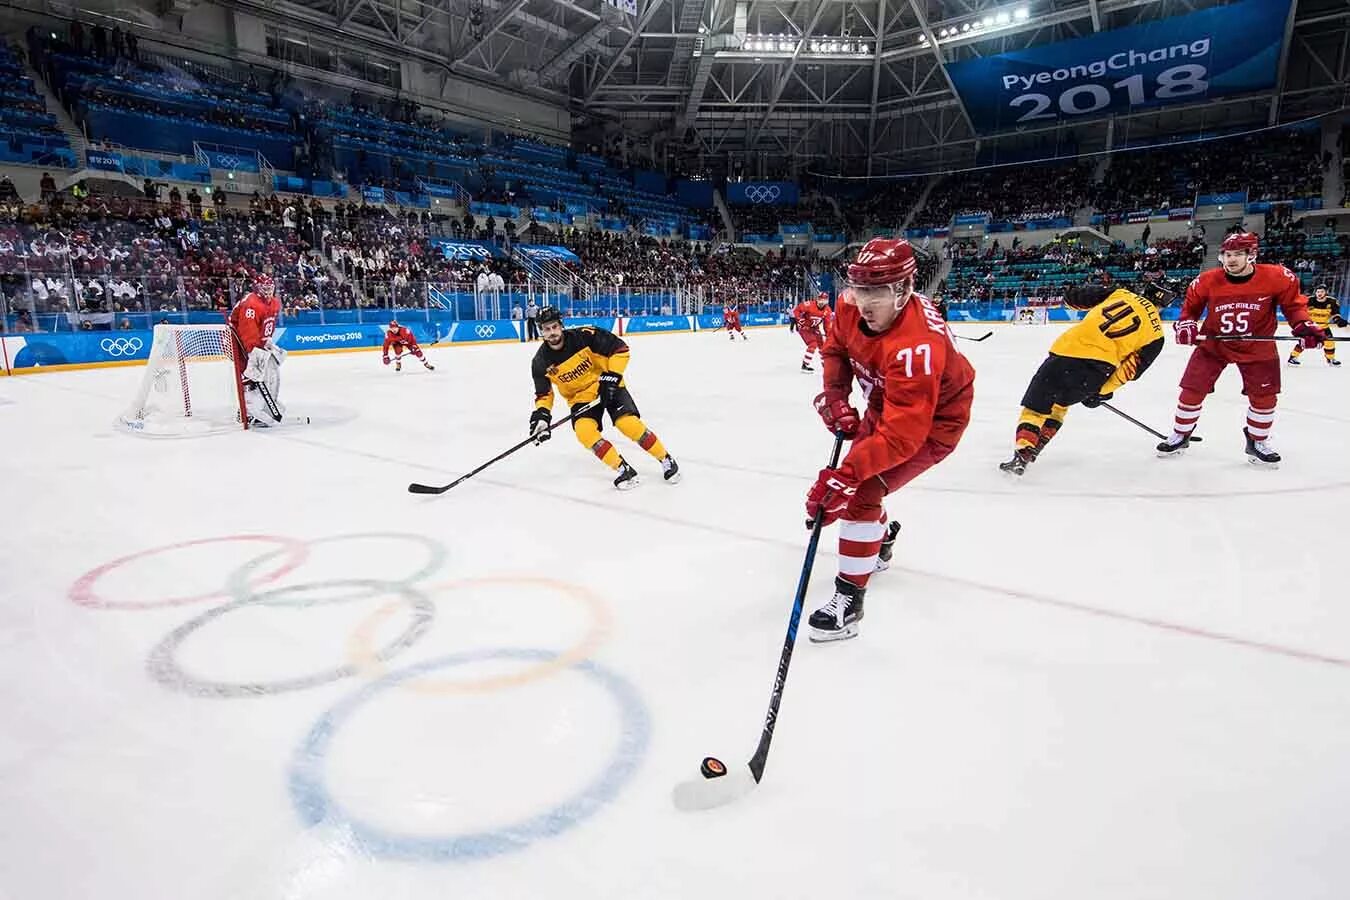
(548, 314)
(1160, 292)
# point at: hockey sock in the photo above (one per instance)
(1029, 429)
(1328, 347)
(1188, 412)
(1053, 423)
(633, 429)
(859, 546)
(1296, 352)
(588, 433)
(605, 452)
(1260, 417)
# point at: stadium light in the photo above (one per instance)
(1003, 18)
(1021, 14)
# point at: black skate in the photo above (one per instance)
(430, 367)
(398, 365)
(807, 368)
(1260, 453)
(1021, 458)
(628, 477)
(1293, 361)
(887, 547)
(670, 470)
(1174, 446)
(1333, 361)
(838, 619)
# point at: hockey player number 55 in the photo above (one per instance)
(1234, 323)
(907, 357)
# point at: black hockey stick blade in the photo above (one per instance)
(984, 337)
(713, 790)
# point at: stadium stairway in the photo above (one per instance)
(727, 225)
(921, 202)
(73, 133)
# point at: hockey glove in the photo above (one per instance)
(609, 387)
(830, 495)
(836, 413)
(1339, 322)
(1186, 331)
(386, 360)
(1310, 336)
(1092, 401)
(540, 420)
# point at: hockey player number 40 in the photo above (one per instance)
(1234, 323)
(906, 356)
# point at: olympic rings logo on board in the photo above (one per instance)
(121, 346)
(485, 331)
(763, 193)
(406, 616)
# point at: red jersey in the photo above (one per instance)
(918, 385)
(809, 316)
(399, 335)
(731, 317)
(254, 319)
(1244, 306)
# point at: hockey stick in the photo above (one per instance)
(416, 488)
(272, 409)
(1129, 418)
(1247, 337)
(984, 337)
(719, 786)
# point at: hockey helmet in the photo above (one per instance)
(1159, 292)
(822, 299)
(1242, 240)
(393, 323)
(548, 314)
(263, 284)
(882, 261)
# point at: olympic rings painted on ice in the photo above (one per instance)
(317, 807)
(237, 583)
(362, 653)
(82, 591)
(164, 668)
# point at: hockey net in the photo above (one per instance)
(1030, 315)
(190, 385)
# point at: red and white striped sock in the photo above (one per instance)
(808, 356)
(859, 545)
(1259, 422)
(1187, 415)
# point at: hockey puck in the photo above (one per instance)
(712, 767)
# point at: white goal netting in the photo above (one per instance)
(190, 385)
(1030, 315)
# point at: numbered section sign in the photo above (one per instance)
(1216, 52)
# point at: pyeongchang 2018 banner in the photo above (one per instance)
(762, 193)
(1229, 49)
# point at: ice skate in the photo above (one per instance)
(1333, 361)
(806, 367)
(887, 547)
(1293, 361)
(838, 619)
(1260, 453)
(627, 478)
(1021, 458)
(1174, 446)
(670, 470)
(398, 365)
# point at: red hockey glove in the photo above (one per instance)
(386, 360)
(1309, 334)
(1186, 331)
(838, 416)
(830, 495)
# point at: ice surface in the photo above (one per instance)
(1121, 678)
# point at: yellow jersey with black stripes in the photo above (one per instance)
(1121, 325)
(575, 367)
(1324, 312)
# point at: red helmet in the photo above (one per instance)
(823, 297)
(1242, 240)
(882, 261)
(264, 285)
(393, 323)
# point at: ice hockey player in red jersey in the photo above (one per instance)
(253, 320)
(400, 339)
(731, 317)
(918, 390)
(809, 318)
(1237, 300)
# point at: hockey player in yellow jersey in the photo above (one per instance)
(1116, 341)
(586, 366)
(1324, 311)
